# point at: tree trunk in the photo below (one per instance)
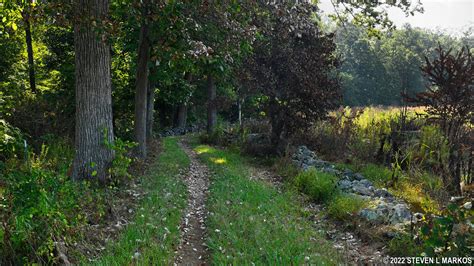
(239, 106)
(182, 114)
(150, 110)
(454, 170)
(278, 137)
(93, 95)
(211, 105)
(29, 48)
(183, 107)
(141, 88)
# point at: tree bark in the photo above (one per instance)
(211, 105)
(182, 115)
(141, 90)
(93, 95)
(239, 107)
(278, 137)
(29, 48)
(150, 109)
(183, 107)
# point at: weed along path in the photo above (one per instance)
(192, 249)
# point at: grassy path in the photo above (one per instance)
(251, 222)
(248, 221)
(152, 237)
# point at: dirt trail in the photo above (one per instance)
(192, 249)
(351, 246)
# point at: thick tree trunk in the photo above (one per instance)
(182, 115)
(93, 95)
(29, 49)
(183, 107)
(278, 137)
(141, 88)
(211, 105)
(150, 110)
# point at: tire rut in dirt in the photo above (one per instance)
(192, 249)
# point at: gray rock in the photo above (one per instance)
(362, 190)
(303, 150)
(378, 214)
(391, 234)
(330, 170)
(370, 215)
(400, 214)
(310, 161)
(257, 138)
(306, 167)
(358, 176)
(382, 193)
(366, 183)
(344, 184)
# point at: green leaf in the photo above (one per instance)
(14, 26)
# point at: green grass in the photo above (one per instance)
(378, 174)
(251, 222)
(343, 206)
(319, 186)
(154, 232)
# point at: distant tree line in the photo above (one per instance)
(377, 70)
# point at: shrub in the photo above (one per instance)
(256, 126)
(343, 206)
(403, 245)
(38, 208)
(447, 235)
(450, 234)
(11, 141)
(430, 151)
(56, 154)
(317, 185)
(122, 161)
(216, 137)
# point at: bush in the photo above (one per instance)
(343, 206)
(317, 185)
(216, 137)
(38, 208)
(11, 141)
(122, 161)
(447, 235)
(450, 234)
(403, 246)
(56, 154)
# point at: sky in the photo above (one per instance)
(450, 15)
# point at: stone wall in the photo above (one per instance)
(384, 208)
